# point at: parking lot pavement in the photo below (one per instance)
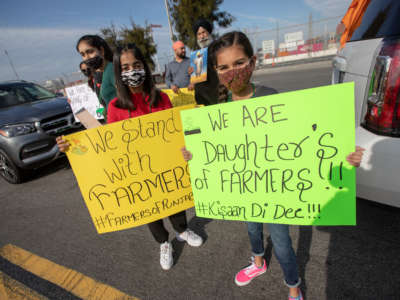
(24, 275)
(355, 262)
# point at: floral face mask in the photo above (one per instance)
(236, 79)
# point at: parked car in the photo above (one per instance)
(372, 60)
(30, 119)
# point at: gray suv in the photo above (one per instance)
(30, 119)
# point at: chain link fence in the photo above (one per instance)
(311, 39)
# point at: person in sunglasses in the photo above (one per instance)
(87, 73)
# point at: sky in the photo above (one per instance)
(40, 35)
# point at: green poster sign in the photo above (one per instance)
(275, 159)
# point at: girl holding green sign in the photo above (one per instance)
(233, 58)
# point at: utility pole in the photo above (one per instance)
(169, 21)
(256, 39)
(310, 27)
(152, 36)
(158, 64)
(277, 37)
(310, 34)
(11, 64)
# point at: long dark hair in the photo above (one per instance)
(227, 40)
(123, 92)
(98, 43)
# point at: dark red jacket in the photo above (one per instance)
(115, 114)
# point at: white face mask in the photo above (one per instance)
(133, 78)
(204, 43)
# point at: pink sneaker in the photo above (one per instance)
(245, 275)
(299, 297)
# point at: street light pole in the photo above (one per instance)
(11, 64)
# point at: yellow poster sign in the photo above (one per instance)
(132, 172)
(184, 97)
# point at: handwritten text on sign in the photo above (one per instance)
(82, 96)
(275, 159)
(132, 172)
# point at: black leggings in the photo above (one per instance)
(159, 232)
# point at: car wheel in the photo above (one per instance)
(8, 170)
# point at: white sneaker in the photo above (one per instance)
(166, 259)
(190, 237)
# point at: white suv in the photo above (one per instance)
(372, 60)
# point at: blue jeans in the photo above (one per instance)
(282, 245)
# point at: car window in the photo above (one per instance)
(381, 19)
(11, 97)
(22, 93)
(37, 92)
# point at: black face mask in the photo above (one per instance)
(95, 62)
(87, 72)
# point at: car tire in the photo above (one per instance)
(8, 170)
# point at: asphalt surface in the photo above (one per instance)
(48, 217)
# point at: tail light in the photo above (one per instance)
(382, 105)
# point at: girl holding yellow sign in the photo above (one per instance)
(233, 58)
(137, 96)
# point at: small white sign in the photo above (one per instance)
(291, 44)
(300, 43)
(82, 96)
(293, 36)
(268, 46)
(282, 46)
